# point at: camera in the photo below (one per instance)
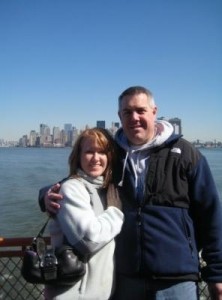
(50, 265)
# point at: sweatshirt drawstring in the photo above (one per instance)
(124, 167)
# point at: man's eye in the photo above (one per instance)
(126, 113)
(141, 111)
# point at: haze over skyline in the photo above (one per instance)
(65, 61)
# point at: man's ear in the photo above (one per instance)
(119, 115)
(155, 110)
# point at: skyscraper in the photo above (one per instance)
(45, 136)
(56, 135)
(176, 122)
(67, 128)
(32, 138)
(101, 124)
(68, 134)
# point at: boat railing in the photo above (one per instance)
(12, 284)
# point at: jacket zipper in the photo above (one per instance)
(139, 223)
(188, 235)
(139, 219)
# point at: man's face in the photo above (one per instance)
(137, 118)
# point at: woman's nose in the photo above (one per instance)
(95, 155)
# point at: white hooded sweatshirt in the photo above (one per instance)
(138, 156)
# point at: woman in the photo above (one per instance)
(90, 216)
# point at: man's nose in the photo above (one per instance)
(134, 115)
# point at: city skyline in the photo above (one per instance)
(68, 61)
(55, 131)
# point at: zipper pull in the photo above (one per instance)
(139, 216)
(191, 246)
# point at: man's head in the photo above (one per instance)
(137, 112)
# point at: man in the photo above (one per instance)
(171, 206)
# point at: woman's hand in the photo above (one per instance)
(113, 198)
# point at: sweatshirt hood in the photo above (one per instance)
(163, 131)
(138, 155)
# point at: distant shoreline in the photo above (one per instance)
(61, 146)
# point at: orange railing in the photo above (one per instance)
(12, 284)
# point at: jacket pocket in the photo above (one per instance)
(188, 231)
(168, 244)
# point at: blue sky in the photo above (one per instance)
(67, 61)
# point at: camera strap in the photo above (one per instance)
(41, 232)
(38, 243)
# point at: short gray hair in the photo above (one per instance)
(135, 90)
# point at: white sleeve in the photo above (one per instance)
(79, 223)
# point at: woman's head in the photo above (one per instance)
(94, 153)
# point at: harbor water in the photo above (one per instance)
(25, 170)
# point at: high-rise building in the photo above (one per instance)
(114, 128)
(74, 135)
(63, 137)
(101, 124)
(176, 122)
(67, 127)
(56, 139)
(43, 129)
(116, 124)
(68, 133)
(23, 142)
(32, 138)
(45, 136)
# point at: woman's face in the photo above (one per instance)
(93, 159)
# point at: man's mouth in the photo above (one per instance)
(135, 127)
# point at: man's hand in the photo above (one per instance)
(215, 290)
(51, 199)
(113, 197)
